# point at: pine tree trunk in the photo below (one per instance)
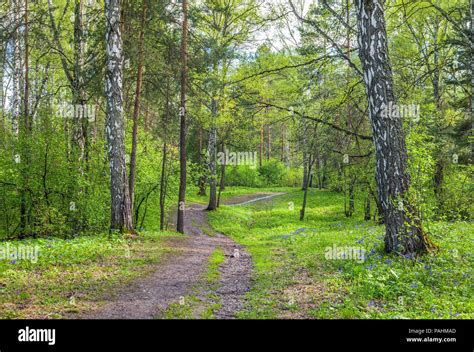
(136, 106)
(79, 98)
(183, 112)
(472, 71)
(121, 212)
(166, 119)
(212, 161)
(25, 126)
(404, 232)
(17, 69)
(163, 185)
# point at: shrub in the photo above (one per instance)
(272, 172)
(243, 176)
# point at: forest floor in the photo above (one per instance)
(252, 258)
(296, 274)
(205, 275)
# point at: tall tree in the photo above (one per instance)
(404, 232)
(136, 106)
(472, 68)
(121, 213)
(182, 114)
(17, 70)
(78, 84)
(25, 126)
(212, 153)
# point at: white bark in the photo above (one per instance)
(403, 230)
(121, 216)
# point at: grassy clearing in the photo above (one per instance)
(293, 278)
(231, 192)
(69, 276)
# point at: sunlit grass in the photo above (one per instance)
(294, 279)
(71, 275)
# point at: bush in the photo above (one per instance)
(272, 172)
(243, 176)
(293, 177)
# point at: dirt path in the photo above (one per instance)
(180, 274)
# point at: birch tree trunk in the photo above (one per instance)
(121, 214)
(183, 127)
(404, 232)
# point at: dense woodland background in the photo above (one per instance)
(339, 130)
(294, 95)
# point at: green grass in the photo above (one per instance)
(72, 275)
(293, 278)
(229, 192)
(215, 260)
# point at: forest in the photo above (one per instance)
(250, 159)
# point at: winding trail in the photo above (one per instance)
(180, 273)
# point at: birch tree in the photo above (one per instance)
(121, 213)
(404, 232)
(3, 36)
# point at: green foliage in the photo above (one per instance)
(243, 176)
(272, 172)
(215, 260)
